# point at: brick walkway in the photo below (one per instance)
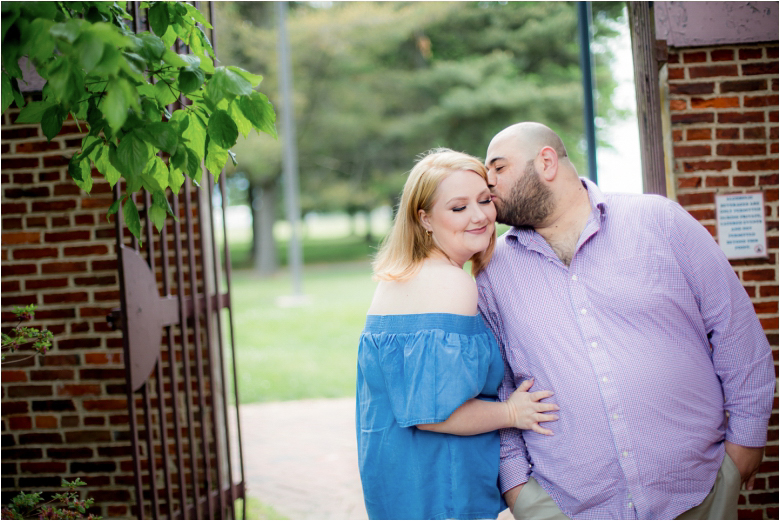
(301, 458)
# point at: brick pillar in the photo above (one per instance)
(63, 415)
(723, 103)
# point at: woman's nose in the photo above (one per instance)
(478, 215)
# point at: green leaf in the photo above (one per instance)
(216, 157)
(173, 59)
(132, 219)
(90, 51)
(158, 18)
(133, 63)
(169, 38)
(190, 79)
(194, 132)
(243, 124)
(175, 179)
(196, 15)
(68, 30)
(153, 47)
(226, 83)
(80, 171)
(52, 120)
(115, 105)
(192, 61)
(161, 135)
(133, 179)
(40, 44)
(133, 154)
(164, 93)
(254, 79)
(9, 17)
(105, 167)
(66, 82)
(109, 62)
(16, 93)
(7, 95)
(156, 174)
(74, 168)
(259, 111)
(222, 129)
(157, 215)
(114, 208)
(34, 111)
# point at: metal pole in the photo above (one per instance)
(584, 14)
(290, 151)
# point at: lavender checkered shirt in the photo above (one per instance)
(622, 336)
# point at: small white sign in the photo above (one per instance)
(741, 225)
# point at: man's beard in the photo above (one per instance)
(529, 203)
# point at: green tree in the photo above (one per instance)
(377, 83)
(122, 84)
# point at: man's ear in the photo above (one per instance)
(548, 167)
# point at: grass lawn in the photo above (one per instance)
(306, 351)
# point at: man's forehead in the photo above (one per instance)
(498, 150)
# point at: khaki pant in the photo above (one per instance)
(721, 503)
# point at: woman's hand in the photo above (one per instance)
(526, 410)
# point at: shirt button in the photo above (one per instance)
(574, 277)
(583, 311)
(625, 453)
(630, 504)
(628, 496)
(615, 416)
(604, 379)
(594, 344)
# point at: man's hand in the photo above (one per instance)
(510, 496)
(747, 459)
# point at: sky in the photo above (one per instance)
(619, 170)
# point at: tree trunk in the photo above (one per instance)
(264, 253)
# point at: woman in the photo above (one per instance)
(428, 367)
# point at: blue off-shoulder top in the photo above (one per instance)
(415, 369)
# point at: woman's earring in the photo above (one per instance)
(429, 232)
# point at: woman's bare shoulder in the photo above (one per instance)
(434, 289)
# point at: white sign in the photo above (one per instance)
(741, 225)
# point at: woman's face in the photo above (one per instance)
(462, 218)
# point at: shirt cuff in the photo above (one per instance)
(513, 473)
(748, 432)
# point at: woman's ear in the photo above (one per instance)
(424, 220)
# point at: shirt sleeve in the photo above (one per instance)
(741, 354)
(515, 468)
(431, 373)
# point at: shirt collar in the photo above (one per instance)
(598, 204)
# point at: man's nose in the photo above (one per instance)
(491, 179)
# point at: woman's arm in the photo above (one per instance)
(522, 410)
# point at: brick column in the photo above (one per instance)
(63, 415)
(724, 108)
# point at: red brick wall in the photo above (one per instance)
(723, 103)
(63, 415)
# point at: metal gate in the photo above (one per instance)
(187, 462)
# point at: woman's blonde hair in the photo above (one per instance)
(407, 244)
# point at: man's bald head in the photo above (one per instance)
(530, 137)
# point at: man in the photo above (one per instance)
(626, 308)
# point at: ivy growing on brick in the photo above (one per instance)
(122, 85)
